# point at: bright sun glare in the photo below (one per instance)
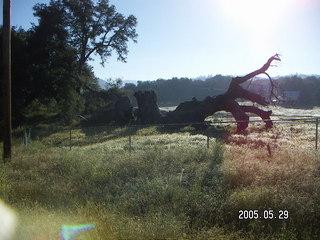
(258, 19)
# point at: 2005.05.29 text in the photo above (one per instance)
(265, 214)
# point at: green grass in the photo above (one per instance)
(147, 194)
(167, 185)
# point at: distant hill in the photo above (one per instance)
(102, 83)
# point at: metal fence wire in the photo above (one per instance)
(129, 137)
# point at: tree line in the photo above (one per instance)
(173, 91)
(177, 90)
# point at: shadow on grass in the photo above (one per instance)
(97, 134)
(219, 132)
(115, 131)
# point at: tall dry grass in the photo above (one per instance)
(168, 185)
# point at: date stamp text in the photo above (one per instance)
(265, 214)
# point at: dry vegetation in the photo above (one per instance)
(167, 185)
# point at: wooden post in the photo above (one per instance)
(6, 82)
(208, 139)
(181, 175)
(27, 137)
(317, 123)
(25, 140)
(129, 143)
(70, 138)
(269, 150)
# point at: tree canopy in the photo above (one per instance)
(50, 61)
(90, 27)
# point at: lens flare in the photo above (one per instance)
(8, 222)
(68, 232)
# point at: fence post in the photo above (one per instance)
(29, 136)
(70, 138)
(269, 150)
(208, 139)
(129, 143)
(25, 138)
(317, 123)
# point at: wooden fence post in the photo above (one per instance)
(269, 150)
(25, 139)
(129, 143)
(317, 123)
(29, 136)
(70, 138)
(208, 139)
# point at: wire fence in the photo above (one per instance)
(127, 136)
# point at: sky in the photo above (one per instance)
(192, 38)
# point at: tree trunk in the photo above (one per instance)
(196, 111)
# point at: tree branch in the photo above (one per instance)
(264, 68)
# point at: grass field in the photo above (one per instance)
(166, 183)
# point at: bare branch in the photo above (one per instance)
(264, 68)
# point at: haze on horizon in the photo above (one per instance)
(189, 38)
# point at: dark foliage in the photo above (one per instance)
(50, 71)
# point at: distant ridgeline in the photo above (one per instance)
(176, 90)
